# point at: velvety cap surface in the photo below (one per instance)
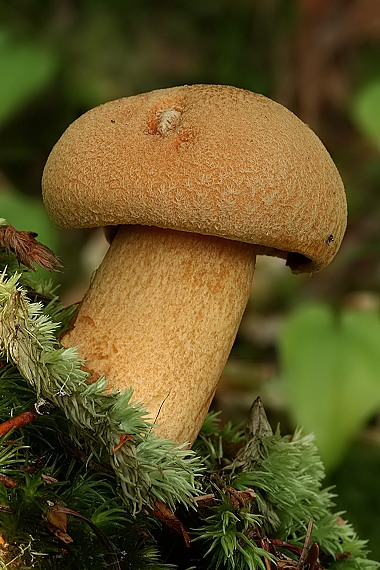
(209, 159)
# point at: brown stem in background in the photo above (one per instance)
(18, 421)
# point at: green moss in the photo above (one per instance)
(243, 496)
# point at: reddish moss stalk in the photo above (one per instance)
(18, 421)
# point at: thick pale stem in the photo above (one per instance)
(161, 315)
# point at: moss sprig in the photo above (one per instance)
(148, 468)
(258, 495)
(100, 532)
(226, 534)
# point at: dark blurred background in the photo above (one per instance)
(310, 346)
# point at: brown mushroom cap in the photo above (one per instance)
(208, 159)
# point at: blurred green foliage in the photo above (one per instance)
(331, 369)
(29, 214)
(357, 480)
(28, 68)
(366, 110)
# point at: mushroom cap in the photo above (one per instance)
(208, 159)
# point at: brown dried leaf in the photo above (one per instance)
(286, 564)
(8, 482)
(60, 508)
(63, 536)
(57, 518)
(205, 500)
(241, 498)
(312, 557)
(342, 555)
(57, 523)
(123, 438)
(48, 479)
(27, 249)
(267, 546)
(310, 563)
(166, 516)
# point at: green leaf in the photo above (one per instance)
(331, 367)
(26, 69)
(28, 214)
(366, 110)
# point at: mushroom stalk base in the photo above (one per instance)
(161, 315)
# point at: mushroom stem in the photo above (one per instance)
(161, 315)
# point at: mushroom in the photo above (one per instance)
(194, 182)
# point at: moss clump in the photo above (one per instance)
(88, 484)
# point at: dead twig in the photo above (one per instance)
(27, 249)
